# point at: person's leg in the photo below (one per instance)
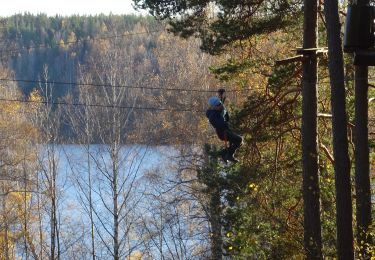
(235, 141)
(224, 154)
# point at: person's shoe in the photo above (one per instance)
(231, 158)
(224, 155)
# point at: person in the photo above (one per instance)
(216, 116)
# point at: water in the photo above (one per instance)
(80, 165)
(158, 211)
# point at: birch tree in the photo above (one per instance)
(116, 166)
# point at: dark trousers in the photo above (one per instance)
(235, 141)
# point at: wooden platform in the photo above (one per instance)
(302, 53)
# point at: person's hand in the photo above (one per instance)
(221, 94)
(219, 107)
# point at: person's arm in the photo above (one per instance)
(226, 116)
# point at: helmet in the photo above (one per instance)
(214, 101)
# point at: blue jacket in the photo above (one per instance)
(217, 120)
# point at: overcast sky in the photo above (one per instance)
(67, 7)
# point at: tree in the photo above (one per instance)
(222, 23)
(18, 168)
(210, 177)
(340, 136)
(48, 122)
(55, 224)
(184, 216)
(81, 123)
(114, 197)
(311, 190)
(361, 153)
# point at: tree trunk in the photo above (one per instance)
(40, 226)
(214, 207)
(5, 228)
(215, 221)
(116, 244)
(53, 228)
(55, 245)
(361, 153)
(311, 191)
(344, 209)
(25, 212)
(362, 164)
(91, 206)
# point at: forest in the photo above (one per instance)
(107, 153)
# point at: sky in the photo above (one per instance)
(67, 7)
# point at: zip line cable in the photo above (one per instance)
(114, 86)
(153, 88)
(102, 85)
(99, 105)
(149, 88)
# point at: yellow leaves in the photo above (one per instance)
(253, 186)
(62, 43)
(72, 37)
(17, 133)
(203, 123)
(13, 213)
(15, 197)
(10, 108)
(103, 27)
(7, 240)
(162, 37)
(9, 117)
(137, 255)
(16, 130)
(35, 96)
(35, 102)
(19, 197)
(166, 124)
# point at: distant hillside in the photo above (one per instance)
(108, 51)
(63, 43)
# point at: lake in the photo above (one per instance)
(151, 206)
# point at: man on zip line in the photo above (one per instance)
(218, 118)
